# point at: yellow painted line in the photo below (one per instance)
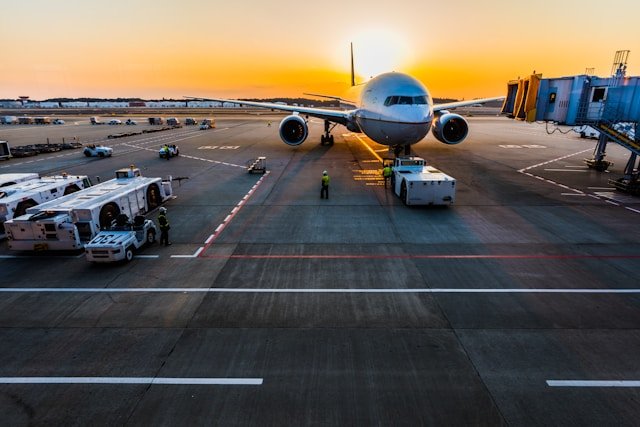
(369, 148)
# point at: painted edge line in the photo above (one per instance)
(593, 383)
(131, 380)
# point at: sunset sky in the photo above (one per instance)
(242, 48)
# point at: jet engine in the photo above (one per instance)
(293, 130)
(450, 128)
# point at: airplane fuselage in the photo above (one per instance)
(394, 109)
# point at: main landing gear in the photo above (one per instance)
(398, 149)
(327, 138)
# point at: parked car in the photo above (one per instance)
(115, 122)
(131, 122)
(189, 121)
(97, 151)
(58, 122)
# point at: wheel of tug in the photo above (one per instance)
(403, 192)
(153, 197)
(128, 254)
(108, 213)
(21, 208)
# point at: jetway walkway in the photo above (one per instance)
(609, 104)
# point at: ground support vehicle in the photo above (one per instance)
(96, 121)
(16, 199)
(97, 151)
(130, 122)
(121, 240)
(168, 151)
(418, 184)
(70, 222)
(207, 124)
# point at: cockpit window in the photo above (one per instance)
(405, 100)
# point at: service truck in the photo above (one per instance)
(120, 241)
(418, 184)
(16, 199)
(70, 222)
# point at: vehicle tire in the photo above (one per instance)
(87, 153)
(153, 197)
(392, 180)
(330, 139)
(100, 154)
(128, 254)
(403, 192)
(151, 236)
(71, 189)
(108, 213)
(322, 140)
(21, 208)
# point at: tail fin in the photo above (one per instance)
(353, 77)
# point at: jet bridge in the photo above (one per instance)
(609, 104)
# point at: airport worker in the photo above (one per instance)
(324, 192)
(164, 227)
(386, 174)
(166, 151)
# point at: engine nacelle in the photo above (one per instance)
(293, 130)
(450, 128)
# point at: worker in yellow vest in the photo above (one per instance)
(324, 192)
(386, 174)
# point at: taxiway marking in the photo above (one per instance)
(593, 383)
(131, 380)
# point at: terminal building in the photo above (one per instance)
(610, 105)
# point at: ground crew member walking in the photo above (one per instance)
(386, 173)
(324, 192)
(164, 227)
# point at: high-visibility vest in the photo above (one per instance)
(325, 180)
(386, 172)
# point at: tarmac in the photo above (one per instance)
(518, 305)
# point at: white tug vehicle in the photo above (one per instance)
(418, 184)
(120, 241)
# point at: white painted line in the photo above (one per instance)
(210, 238)
(566, 170)
(600, 188)
(227, 218)
(594, 196)
(200, 249)
(633, 210)
(234, 210)
(131, 380)
(218, 228)
(147, 256)
(324, 290)
(181, 256)
(595, 383)
(573, 194)
(612, 203)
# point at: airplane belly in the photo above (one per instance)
(393, 133)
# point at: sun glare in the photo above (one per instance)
(379, 51)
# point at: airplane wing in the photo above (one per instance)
(448, 105)
(341, 117)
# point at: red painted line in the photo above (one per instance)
(543, 257)
(228, 219)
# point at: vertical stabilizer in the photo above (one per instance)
(353, 76)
